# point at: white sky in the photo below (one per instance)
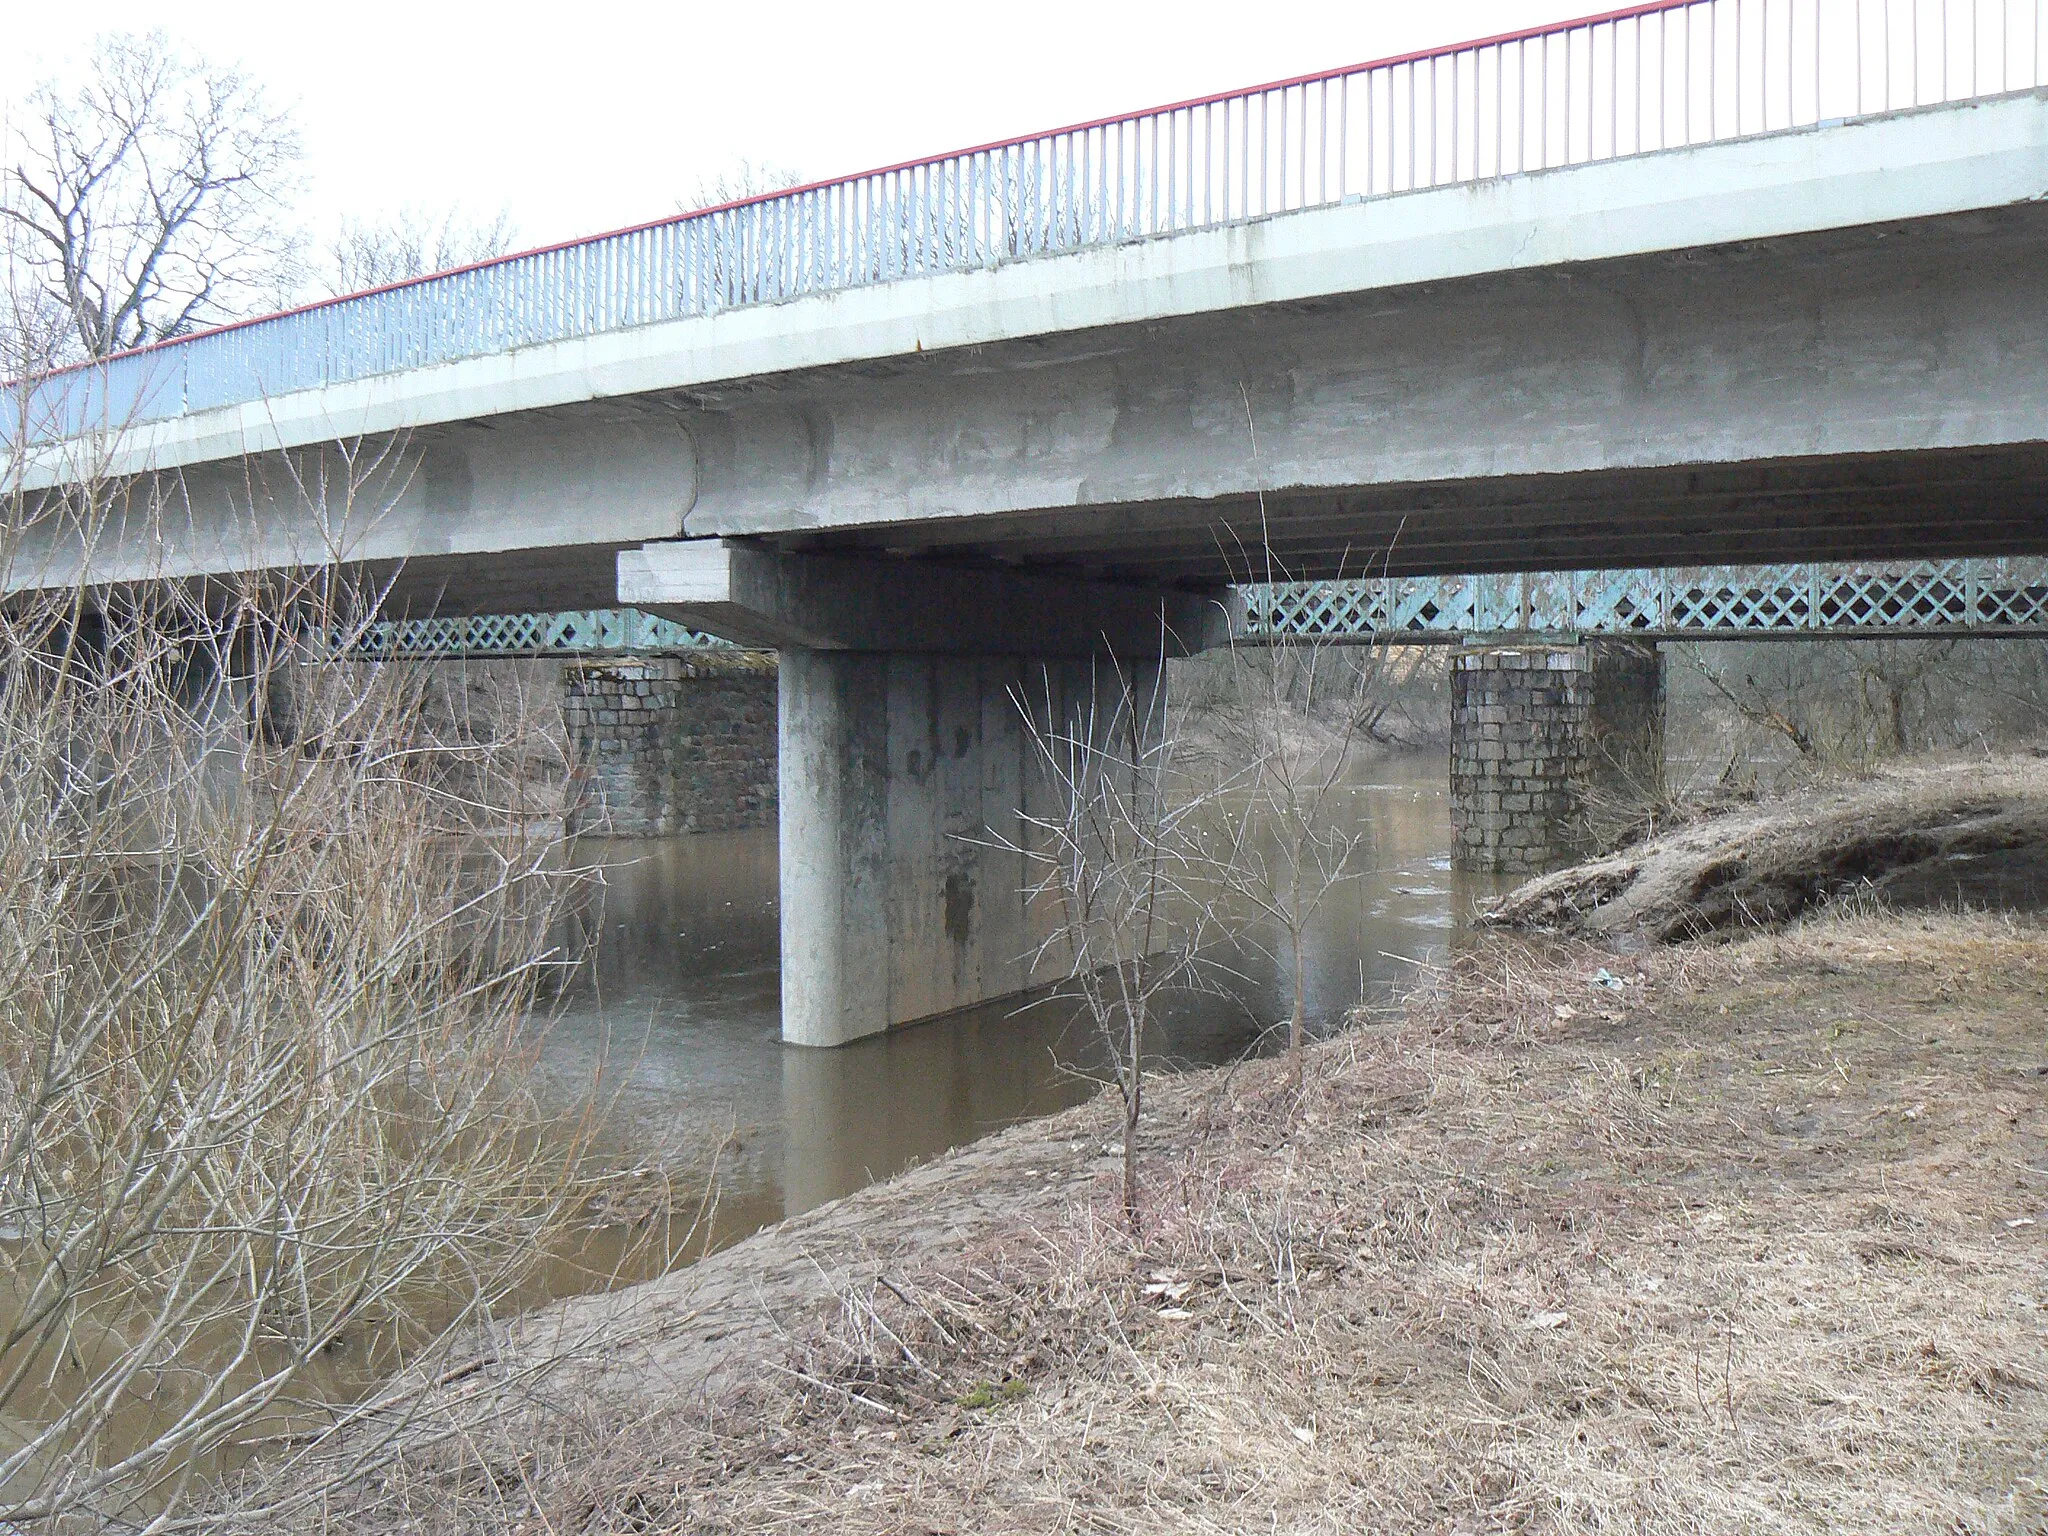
(579, 118)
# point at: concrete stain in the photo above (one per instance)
(959, 906)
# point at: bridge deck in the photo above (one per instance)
(1664, 75)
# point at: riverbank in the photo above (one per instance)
(1929, 833)
(1744, 1236)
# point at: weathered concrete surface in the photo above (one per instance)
(908, 784)
(462, 510)
(1874, 392)
(851, 603)
(898, 776)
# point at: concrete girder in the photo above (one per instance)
(825, 602)
(1868, 365)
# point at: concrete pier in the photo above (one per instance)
(904, 785)
(1551, 748)
(908, 771)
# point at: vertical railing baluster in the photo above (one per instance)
(1343, 136)
(1208, 163)
(1280, 160)
(1322, 141)
(1613, 90)
(1412, 125)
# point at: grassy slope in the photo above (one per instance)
(1740, 1246)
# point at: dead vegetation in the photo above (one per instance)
(1933, 833)
(1749, 1237)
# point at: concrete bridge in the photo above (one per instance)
(1698, 282)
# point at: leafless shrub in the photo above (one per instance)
(1284, 838)
(272, 935)
(1852, 703)
(1121, 859)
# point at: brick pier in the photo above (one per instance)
(1551, 748)
(672, 744)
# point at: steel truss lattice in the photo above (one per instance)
(581, 632)
(1993, 597)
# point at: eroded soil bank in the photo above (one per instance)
(1751, 1235)
(1941, 833)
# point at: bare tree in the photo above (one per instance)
(742, 179)
(1290, 728)
(1119, 859)
(370, 254)
(152, 199)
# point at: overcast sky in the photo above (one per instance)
(580, 118)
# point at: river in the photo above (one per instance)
(676, 1016)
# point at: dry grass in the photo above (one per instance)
(1740, 1245)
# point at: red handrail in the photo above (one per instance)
(1392, 61)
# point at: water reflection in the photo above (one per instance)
(678, 1014)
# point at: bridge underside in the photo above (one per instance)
(1843, 511)
(1930, 504)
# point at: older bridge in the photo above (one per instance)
(1701, 281)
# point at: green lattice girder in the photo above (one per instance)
(2003, 596)
(577, 633)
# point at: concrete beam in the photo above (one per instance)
(504, 513)
(1575, 392)
(762, 596)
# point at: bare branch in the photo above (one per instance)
(153, 199)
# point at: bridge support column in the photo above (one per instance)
(906, 783)
(907, 771)
(1552, 748)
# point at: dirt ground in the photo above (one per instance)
(1742, 1237)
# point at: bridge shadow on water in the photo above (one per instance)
(677, 1015)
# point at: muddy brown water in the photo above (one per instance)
(676, 1018)
(673, 1022)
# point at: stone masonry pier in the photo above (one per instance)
(1549, 744)
(669, 744)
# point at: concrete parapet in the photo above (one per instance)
(1551, 747)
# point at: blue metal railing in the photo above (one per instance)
(1667, 74)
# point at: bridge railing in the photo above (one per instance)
(1635, 81)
